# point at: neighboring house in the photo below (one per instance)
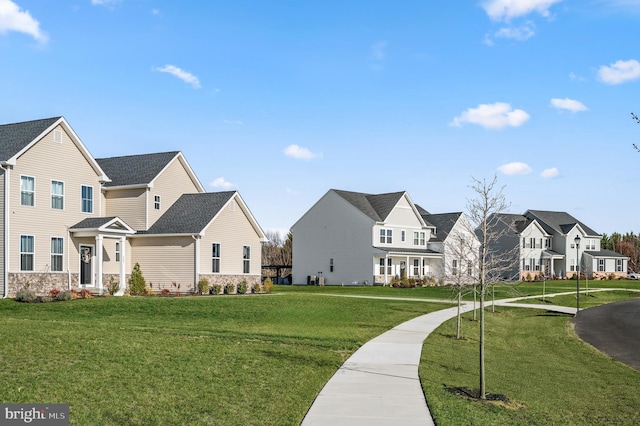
(545, 245)
(356, 238)
(455, 239)
(71, 221)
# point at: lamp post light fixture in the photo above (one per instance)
(577, 241)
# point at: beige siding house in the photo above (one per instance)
(68, 220)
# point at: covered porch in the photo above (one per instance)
(89, 236)
(552, 264)
(414, 264)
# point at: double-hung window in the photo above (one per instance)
(57, 254)
(246, 259)
(454, 267)
(156, 202)
(27, 190)
(618, 265)
(118, 252)
(26, 252)
(215, 257)
(57, 195)
(416, 267)
(601, 267)
(87, 199)
(386, 236)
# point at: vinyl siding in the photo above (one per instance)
(232, 229)
(46, 161)
(402, 217)
(109, 264)
(128, 205)
(169, 185)
(164, 260)
(333, 229)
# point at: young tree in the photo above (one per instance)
(461, 261)
(494, 263)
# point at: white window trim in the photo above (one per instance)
(33, 253)
(156, 202)
(219, 258)
(33, 192)
(118, 252)
(246, 259)
(51, 254)
(52, 194)
(82, 199)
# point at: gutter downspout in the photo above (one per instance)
(5, 291)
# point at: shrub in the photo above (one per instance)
(203, 286)
(25, 295)
(64, 296)
(243, 287)
(230, 288)
(85, 294)
(267, 286)
(165, 292)
(46, 299)
(137, 284)
(148, 291)
(54, 292)
(216, 288)
(256, 287)
(113, 286)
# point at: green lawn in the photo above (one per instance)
(534, 358)
(228, 360)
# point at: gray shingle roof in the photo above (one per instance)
(135, 169)
(191, 213)
(376, 206)
(92, 222)
(443, 223)
(14, 137)
(605, 253)
(557, 222)
(516, 222)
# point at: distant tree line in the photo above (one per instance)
(277, 251)
(627, 245)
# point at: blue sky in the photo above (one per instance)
(283, 100)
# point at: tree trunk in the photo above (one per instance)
(482, 379)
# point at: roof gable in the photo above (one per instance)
(443, 222)
(142, 169)
(17, 138)
(191, 214)
(376, 206)
(558, 222)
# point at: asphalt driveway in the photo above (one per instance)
(613, 328)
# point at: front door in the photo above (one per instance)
(86, 263)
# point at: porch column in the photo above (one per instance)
(407, 267)
(386, 259)
(99, 263)
(123, 260)
(196, 266)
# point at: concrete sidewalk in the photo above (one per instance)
(379, 383)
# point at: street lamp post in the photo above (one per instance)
(577, 241)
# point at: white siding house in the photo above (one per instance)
(355, 238)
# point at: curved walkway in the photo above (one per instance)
(379, 383)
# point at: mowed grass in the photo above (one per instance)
(222, 360)
(535, 359)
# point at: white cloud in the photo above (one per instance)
(185, 76)
(221, 183)
(504, 10)
(550, 173)
(515, 168)
(492, 116)
(291, 191)
(521, 33)
(568, 104)
(300, 153)
(104, 2)
(234, 122)
(620, 72)
(13, 18)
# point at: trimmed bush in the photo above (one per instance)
(256, 288)
(267, 285)
(230, 288)
(203, 286)
(216, 288)
(137, 284)
(243, 287)
(64, 296)
(113, 286)
(46, 299)
(25, 295)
